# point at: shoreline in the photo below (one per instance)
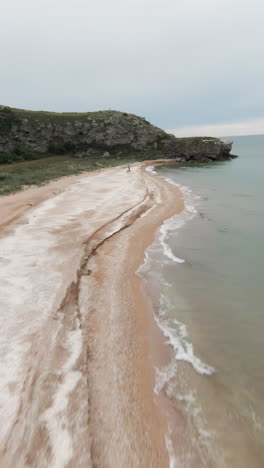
(15, 205)
(147, 344)
(127, 423)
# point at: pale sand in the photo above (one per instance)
(77, 340)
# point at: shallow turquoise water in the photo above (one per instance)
(213, 306)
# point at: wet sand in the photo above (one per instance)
(78, 340)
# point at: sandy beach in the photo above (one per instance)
(78, 340)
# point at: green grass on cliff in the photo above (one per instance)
(18, 176)
(12, 115)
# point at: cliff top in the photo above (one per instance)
(105, 132)
(101, 115)
(98, 116)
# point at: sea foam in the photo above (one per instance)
(175, 331)
(177, 221)
(151, 169)
(183, 349)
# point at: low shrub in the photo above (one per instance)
(5, 175)
(61, 148)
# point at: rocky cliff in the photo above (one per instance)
(99, 133)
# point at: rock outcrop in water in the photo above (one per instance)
(102, 133)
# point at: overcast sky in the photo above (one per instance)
(196, 66)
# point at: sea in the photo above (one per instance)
(205, 274)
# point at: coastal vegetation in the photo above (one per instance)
(20, 175)
(26, 135)
(37, 146)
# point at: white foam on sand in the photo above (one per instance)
(57, 421)
(170, 225)
(151, 169)
(183, 349)
(164, 375)
(177, 337)
(56, 416)
(176, 332)
(206, 437)
(172, 457)
(177, 221)
(38, 261)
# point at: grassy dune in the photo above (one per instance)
(18, 176)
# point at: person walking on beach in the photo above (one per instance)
(128, 168)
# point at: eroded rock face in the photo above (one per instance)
(199, 149)
(104, 133)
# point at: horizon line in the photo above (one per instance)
(240, 128)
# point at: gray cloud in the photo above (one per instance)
(176, 63)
